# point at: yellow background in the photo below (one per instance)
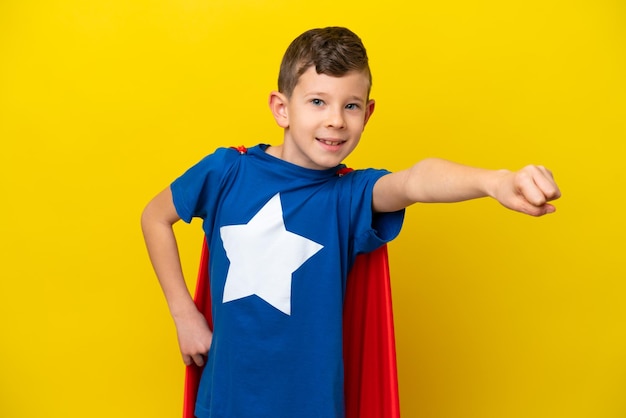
(103, 103)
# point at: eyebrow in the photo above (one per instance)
(358, 99)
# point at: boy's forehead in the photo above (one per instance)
(353, 83)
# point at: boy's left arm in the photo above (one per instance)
(433, 180)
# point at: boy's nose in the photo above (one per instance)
(335, 118)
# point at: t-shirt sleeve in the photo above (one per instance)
(195, 192)
(371, 230)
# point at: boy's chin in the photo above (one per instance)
(328, 163)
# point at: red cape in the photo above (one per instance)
(371, 382)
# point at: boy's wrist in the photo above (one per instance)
(183, 308)
(494, 182)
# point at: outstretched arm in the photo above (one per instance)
(194, 335)
(433, 180)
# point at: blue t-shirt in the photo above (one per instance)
(282, 240)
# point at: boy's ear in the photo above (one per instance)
(369, 109)
(278, 106)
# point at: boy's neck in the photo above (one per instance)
(275, 151)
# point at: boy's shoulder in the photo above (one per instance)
(233, 151)
(223, 156)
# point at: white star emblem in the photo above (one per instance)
(263, 255)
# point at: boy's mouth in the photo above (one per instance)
(331, 142)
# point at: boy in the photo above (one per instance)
(284, 224)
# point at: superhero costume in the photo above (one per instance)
(295, 206)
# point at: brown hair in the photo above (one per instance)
(333, 51)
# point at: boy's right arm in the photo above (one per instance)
(194, 335)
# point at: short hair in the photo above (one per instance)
(333, 51)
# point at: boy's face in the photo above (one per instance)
(323, 118)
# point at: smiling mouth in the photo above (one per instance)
(332, 142)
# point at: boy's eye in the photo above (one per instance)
(352, 106)
(317, 102)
